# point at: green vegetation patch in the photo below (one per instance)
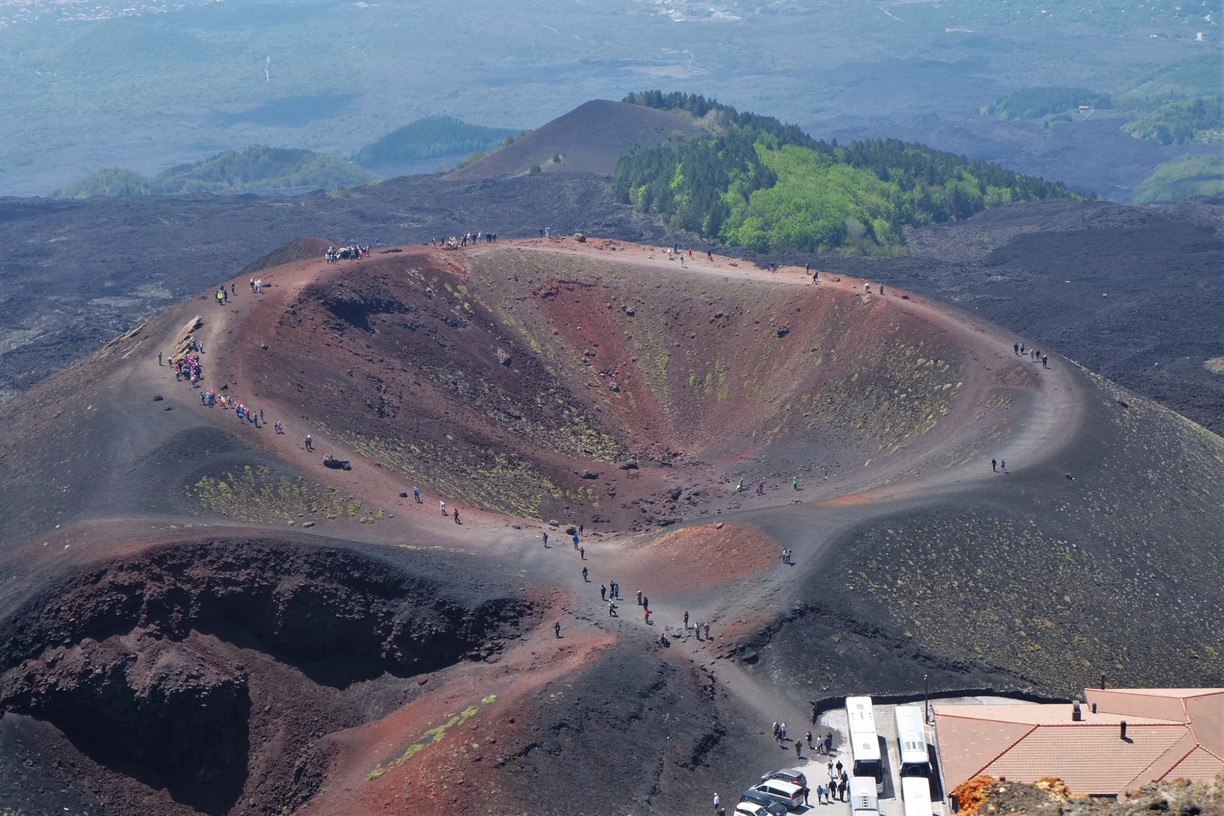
(1182, 178)
(816, 204)
(433, 137)
(1179, 103)
(770, 187)
(1035, 103)
(895, 392)
(428, 738)
(1196, 76)
(257, 495)
(1181, 122)
(249, 168)
(504, 482)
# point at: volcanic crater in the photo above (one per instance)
(507, 385)
(198, 617)
(167, 666)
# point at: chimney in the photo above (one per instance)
(1076, 714)
(1102, 682)
(1124, 731)
(1094, 708)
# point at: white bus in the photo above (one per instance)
(864, 744)
(863, 798)
(916, 796)
(911, 742)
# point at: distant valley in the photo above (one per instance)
(159, 85)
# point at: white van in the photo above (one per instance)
(864, 801)
(794, 775)
(784, 793)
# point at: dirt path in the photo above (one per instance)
(1051, 417)
(1051, 413)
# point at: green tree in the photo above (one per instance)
(768, 186)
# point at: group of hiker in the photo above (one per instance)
(760, 485)
(224, 401)
(252, 416)
(466, 239)
(346, 253)
(1034, 355)
(416, 497)
(610, 593)
(187, 367)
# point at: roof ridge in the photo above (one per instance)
(1028, 732)
(1151, 722)
(1162, 755)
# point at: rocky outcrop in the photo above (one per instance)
(152, 667)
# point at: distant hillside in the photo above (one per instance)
(589, 139)
(254, 168)
(1182, 122)
(758, 183)
(1196, 76)
(1182, 178)
(118, 47)
(431, 138)
(1178, 103)
(1034, 103)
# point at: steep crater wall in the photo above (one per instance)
(169, 668)
(518, 380)
(1103, 559)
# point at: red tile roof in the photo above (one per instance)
(1199, 764)
(1090, 759)
(1170, 733)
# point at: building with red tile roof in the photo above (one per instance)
(1119, 740)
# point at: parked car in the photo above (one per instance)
(750, 809)
(787, 794)
(793, 775)
(755, 797)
